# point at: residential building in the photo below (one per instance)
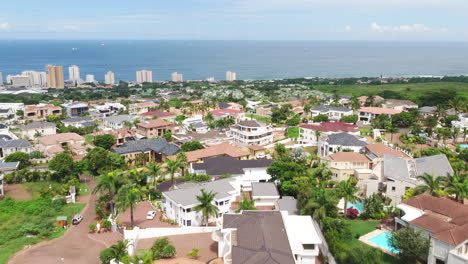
(462, 123)
(109, 78)
(143, 107)
(12, 108)
(427, 111)
(20, 81)
(74, 73)
(377, 99)
(367, 114)
(310, 133)
(144, 76)
(401, 174)
(177, 77)
(267, 237)
(265, 195)
(55, 77)
(334, 113)
(5, 113)
(160, 115)
(41, 111)
(289, 205)
(1, 79)
(251, 132)
(179, 203)
(78, 122)
(248, 171)
(400, 105)
(225, 113)
(108, 109)
(11, 146)
(117, 122)
(76, 109)
(156, 128)
(196, 124)
(34, 130)
(344, 165)
(443, 221)
(121, 135)
(90, 78)
(224, 149)
(156, 150)
(231, 76)
(8, 167)
(36, 78)
(52, 145)
(329, 144)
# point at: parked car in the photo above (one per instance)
(77, 219)
(150, 215)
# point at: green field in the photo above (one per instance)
(35, 188)
(259, 118)
(293, 132)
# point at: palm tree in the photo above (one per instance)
(206, 205)
(246, 203)
(323, 172)
(432, 185)
(172, 166)
(109, 183)
(321, 205)
(346, 190)
(128, 196)
(354, 102)
(392, 130)
(155, 171)
(182, 159)
(136, 176)
(119, 250)
(317, 133)
(458, 185)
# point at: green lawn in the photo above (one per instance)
(359, 228)
(35, 188)
(259, 118)
(293, 132)
(28, 222)
(89, 139)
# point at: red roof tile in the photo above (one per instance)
(331, 127)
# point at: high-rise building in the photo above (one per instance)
(177, 77)
(55, 76)
(20, 81)
(8, 79)
(1, 79)
(144, 76)
(109, 78)
(90, 78)
(36, 78)
(211, 79)
(74, 73)
(230, 76)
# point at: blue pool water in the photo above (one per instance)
(359, 205)
(464, 146)
(383, 241)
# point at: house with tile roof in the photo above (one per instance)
(224, 149)
(309, 133)
(156, 150)
(227, 112)
(52, 145)
(334, 113)
(159, 115)
(251, 132)
(32, 130)
(156, 128)
(443, 220)
(41, 111)
(142, 107)
(121, 135)
(340, 142)
(344, 165)
(367, 114)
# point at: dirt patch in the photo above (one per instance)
(17, 191)
(139, 217)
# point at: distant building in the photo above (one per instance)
(20, 81)
(334, 113)
(367, 114)
(74, 73)
(231, 76)
(211, 79)
(144, 76)
(40, 111)
(55, 76)
(177, 77)
(251, 132)
(76, 109)
(36, 78)
(34, 130)
(8, 147)
(109, 78)
(90, 78)
(1, 79)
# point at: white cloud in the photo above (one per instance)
(5, 26)
(400, 28)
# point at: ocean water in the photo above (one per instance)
(198, 60)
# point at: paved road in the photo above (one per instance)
(75, 247)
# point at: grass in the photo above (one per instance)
(89, 138)
(35, 188)
(293, 132)
(259, 118)
(359, 228)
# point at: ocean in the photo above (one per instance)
(251, 60)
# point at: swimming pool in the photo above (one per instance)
(383, 240)
(359, 205)
(463, 146)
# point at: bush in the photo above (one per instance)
(92, 227)
(194, 253)
(162, 248)
(198, 177)
(106, 256)
(352, 213)
(106, 224)
(155, 193)
(191, 146)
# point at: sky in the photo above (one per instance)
(397, 20)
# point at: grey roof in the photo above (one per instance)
(221, 165)
(199, 125)
(3, 126)
(264, 189)
(77, 119)
(188, 192)
(36, 125)
(9, 165)
(250, 123)
(289, 204)
(159, 145)
(396, 168)
(5, 137)
(261, 238)
(119, 118)
(326, 108)
(223, 105)
(16, 143)
(4, 111)
(428, 109)
(87, 124)
(345, 139)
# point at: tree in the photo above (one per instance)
(349, 119)
(354, 102)
(432, 185)
(101, 161)
(457, 184)
(105, 141)
(346, 190)
(182, 160)
(155, 171)
(191, 146)
(392, 130)
(109, 183)
(206, 205)
(373, 207)
(63, 164)
(321, 118)
(119, 250)
(246, 203)
(21, 157)
(412, 244)
(172, 166)
(294, 121)
(162, 248)
(321, 204)
(128, 196)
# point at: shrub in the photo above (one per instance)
(194, 253)
(106, 224)
(92, 227)
(162, 248)
(106, 256)
(352, 213)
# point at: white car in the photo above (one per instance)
(150, 215)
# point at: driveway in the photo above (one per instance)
(75, 247)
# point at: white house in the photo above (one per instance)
(309, 133)
(34, 130)
(367, 114)
(334, 113)
(108, 109)
(462, 123)
(117, 122)
(251, 132)
(252, 236)
(179, 203)
(329, 144)
(8, 147)
(247, 171)
(196, 124)
(12, 107)
(265, 194)
(78, 122)
(401, 105)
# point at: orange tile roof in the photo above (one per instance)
(154, 123)
(224, 149)
(380, 149)
(145, 104)
(57, 138)
(379, 110)
(349, 156)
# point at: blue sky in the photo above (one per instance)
(402, 20)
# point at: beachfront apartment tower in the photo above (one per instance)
(36, 78)
(109, 78)
(144, 76)
(1, 79)
(177, 77)
(231, 76)
(90, 78)
(55, 76)
(74, 73)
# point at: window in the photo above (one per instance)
(438, 261)
(393, 188)
(189, 223)
(308, 246)
(407, 188)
